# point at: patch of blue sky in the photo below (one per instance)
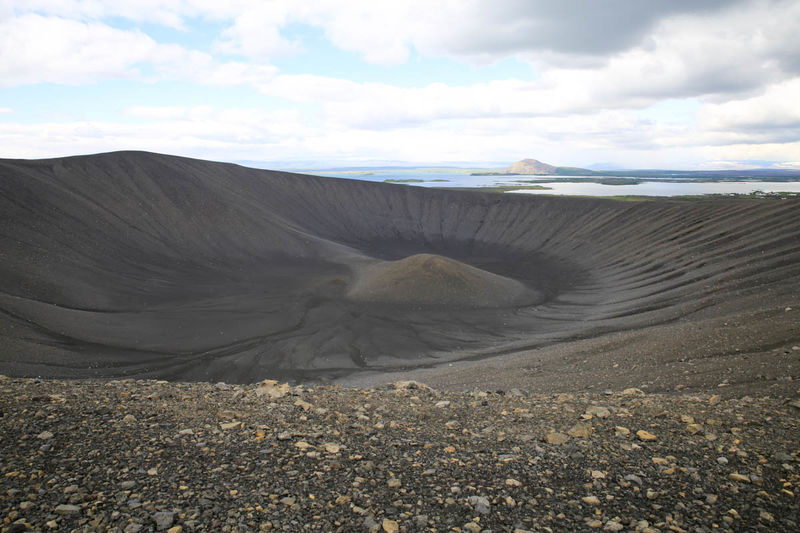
(320, 57)
(196, 33)
(671, 110)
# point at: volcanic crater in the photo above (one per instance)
(144, 265)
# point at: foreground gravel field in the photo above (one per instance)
(134, 456)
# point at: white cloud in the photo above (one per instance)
(712, 57)
(38, 49)
(777, 107)
(6, 110)
(252, 134)
(256, 33)
(752, 151)
(35, 49)
(165, 12)
(788, 165)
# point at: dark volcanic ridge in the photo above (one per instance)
(153, 266)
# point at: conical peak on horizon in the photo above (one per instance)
(530, 167)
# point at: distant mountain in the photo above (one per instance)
(530, 167)
(524, 167)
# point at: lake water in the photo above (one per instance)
(667, 188)
(560, 185)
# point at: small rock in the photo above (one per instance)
(633, 478)
(739, 477)
(598, 411)
(714, 400)
(452, 424)
(44, 435)
(591, 500)
(784, 457)
(472, 527)
(229, 425)
(557, 438)
(621, 431)
(288, 500)
(332, 447)
(633, 392)
(390, 526)
(272, 389)
(612, 525)
(410, 385)
(128, 419)
(580, 430)
(394, 483)
(163, 519)
(442, 404)
(511, 482)
(371, 525)
(645, 435)
(480, 504)
(67, 509)
(305, 406)
(175, 529)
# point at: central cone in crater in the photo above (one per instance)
(434, 280)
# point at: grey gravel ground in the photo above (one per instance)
(134, 456)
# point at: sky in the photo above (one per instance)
(329, 83)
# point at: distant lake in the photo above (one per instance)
(562, 185)
(666, 188)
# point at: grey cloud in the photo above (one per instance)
(592, 28)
